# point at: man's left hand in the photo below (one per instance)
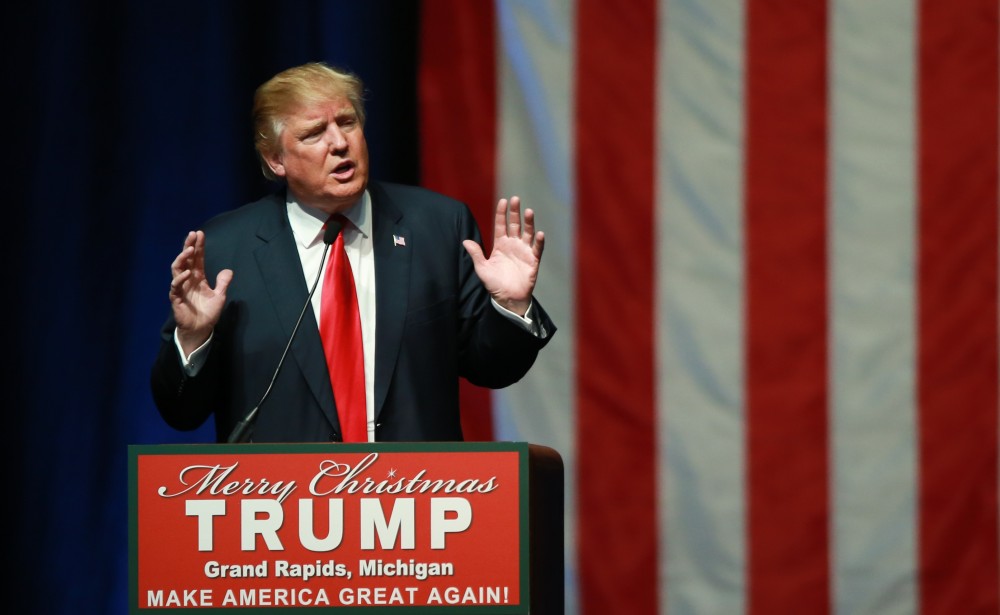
(510, 272)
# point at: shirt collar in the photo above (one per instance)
(307, 222)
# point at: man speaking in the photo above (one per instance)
(338, 308)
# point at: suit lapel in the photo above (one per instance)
(392, 283)
(280, 269)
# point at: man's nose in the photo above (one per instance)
(338, 142)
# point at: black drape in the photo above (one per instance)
(130, 125)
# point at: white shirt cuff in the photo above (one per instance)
(526, 322)
(193, 363)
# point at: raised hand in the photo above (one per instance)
(510, 272)
(196, 305)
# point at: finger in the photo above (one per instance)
(539, 245)
(183, 260)
(177, 283)
(528, 231)
(500, 220)
(199, 252)
(514, 219)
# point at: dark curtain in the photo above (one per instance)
(131, 126)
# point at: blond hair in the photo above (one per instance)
(310, 83)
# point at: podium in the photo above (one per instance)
(381, 528)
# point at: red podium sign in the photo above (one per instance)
(405, 528)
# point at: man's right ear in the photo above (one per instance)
(275, 162)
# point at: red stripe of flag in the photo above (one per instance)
(786, 294)
(614, 160)
(957, 361)
(458, 139)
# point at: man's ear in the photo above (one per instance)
(275, 162)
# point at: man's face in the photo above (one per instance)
(323, 156)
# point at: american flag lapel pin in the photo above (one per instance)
(398, 240)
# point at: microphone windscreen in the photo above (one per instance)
(333, 227)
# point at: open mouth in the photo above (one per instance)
(344, 170)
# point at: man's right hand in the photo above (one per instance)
(197, 306)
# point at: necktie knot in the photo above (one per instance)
(334, 227)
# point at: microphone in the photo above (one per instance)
(244, 428)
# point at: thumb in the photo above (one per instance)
(222, 280)
(475, 251)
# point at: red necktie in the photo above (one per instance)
(340, 329)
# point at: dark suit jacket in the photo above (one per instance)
(434, 323)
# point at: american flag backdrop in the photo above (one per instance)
(772, 252)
